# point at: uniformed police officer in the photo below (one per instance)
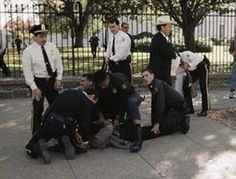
(125, 28)
(3, 65)
(117, 97)
(101, 129)
(42, 67)
(118, 50)
(168, 108)
(198, 68)
(67, 118)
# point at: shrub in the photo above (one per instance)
(142, 47)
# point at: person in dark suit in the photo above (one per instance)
(161, 52)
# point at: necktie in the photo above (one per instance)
(113, 46)
(48, 66)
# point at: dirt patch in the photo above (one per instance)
(224, 116)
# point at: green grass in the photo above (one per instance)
(84, 62)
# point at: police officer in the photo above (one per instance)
(118, 51)
(42, 67)
(117, 97)
(198, 69)
(3, 65)
(67, 118)
(125, 28)
(161, 51)
(168, 108)
(101, 129)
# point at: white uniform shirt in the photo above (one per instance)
(122, 47)
(34, 65)
(191, 58)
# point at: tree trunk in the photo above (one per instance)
(189, 38)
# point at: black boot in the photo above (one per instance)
(202, 114)
(138, 140)
(69, 148)
(185, 124)
(44, 151)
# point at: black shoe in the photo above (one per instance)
(30, 151)
(44, 151)
(190, 111)
(137, 145)
(69, 148)
(185, 124)
(202, 114)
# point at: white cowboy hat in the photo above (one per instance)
(164, 20)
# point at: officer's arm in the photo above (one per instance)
(84, 123)
(166, 49)
(123, 51)
(58, 64)
(27, 70)
(160, 102)
(125, 90)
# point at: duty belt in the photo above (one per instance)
(57, 117)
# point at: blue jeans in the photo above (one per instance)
(233, 77)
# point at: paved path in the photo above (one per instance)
(208, 151)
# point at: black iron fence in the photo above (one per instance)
(71, 34)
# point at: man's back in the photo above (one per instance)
(72, 103)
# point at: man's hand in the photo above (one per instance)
(81, 144)
(57, 85)
(78, 137)
(116, 123)
(36, 94)
(185, 66)
(155, 129)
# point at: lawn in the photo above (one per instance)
(84, 63)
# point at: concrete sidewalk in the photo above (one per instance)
(208, 151)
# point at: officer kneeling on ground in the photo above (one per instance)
(66, 119)
(117, 98)
(168, 108)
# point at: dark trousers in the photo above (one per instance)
(200, 73)
(3, 66)
(169, 125)
(164, 75)
(121, 67)
(53, 126)
(94, 51)
(47, 88)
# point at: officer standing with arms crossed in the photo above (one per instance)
(161, 51)
(42, 67)
(118, 50)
